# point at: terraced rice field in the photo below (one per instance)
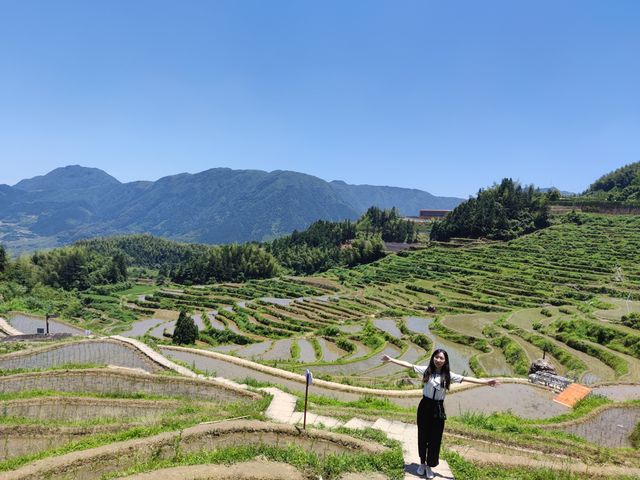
(494, 306)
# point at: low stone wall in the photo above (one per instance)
(72, 409)
(123, 382)
(36, 337)
(94, 463)
(19, 440)
(102, 351)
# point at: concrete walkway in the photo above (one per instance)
(157, 357)
(282, 409)
(7, 329)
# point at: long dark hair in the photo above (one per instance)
(445, 372)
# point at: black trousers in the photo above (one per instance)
(430, 428)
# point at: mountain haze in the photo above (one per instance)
(409, 201)
(219, 205)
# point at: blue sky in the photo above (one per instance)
(447, 96)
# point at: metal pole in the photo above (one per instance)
(47, 322)
(306, 393)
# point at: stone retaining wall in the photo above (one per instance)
(19, 440)
(72, 409)
(123, 382)
(103, 351)
(92, 464)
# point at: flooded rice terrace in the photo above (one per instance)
(350, 328)
(283, 302)
(307, 354)
(359, 366)
(389, 326)
(141, 327)
(280, 350)
(361, 351)
(156, 327)
(330, 352)
(521, 399)
(169, 327)
(215, 323)
(412, 355)
(29, 324)
(618, 393)
(459, 355)
(254, 349)
(609, 428)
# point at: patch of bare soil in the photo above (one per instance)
(254, 470)
(364, 476)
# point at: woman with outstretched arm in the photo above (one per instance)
(436, 380)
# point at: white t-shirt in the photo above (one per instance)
(433, 389)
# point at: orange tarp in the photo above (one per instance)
(572, 394)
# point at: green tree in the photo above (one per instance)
(3, 259)
(186, 331)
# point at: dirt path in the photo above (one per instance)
(255, 470)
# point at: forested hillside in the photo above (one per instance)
(620, 185)
(321, 246)
(216, 206)
(51, 281)
(502, 212)
(144, 250)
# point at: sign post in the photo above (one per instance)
(309, 379)
(47, 317)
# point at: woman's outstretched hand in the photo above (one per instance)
(493, 382)
(386, 358)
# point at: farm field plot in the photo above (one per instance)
(621, 306)
(471, 324)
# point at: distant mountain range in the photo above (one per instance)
(219, 205)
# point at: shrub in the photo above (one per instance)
(635, 436)
(632, 320)
(422, 341)
(345, 345)
(329, 331)
(186, 331)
